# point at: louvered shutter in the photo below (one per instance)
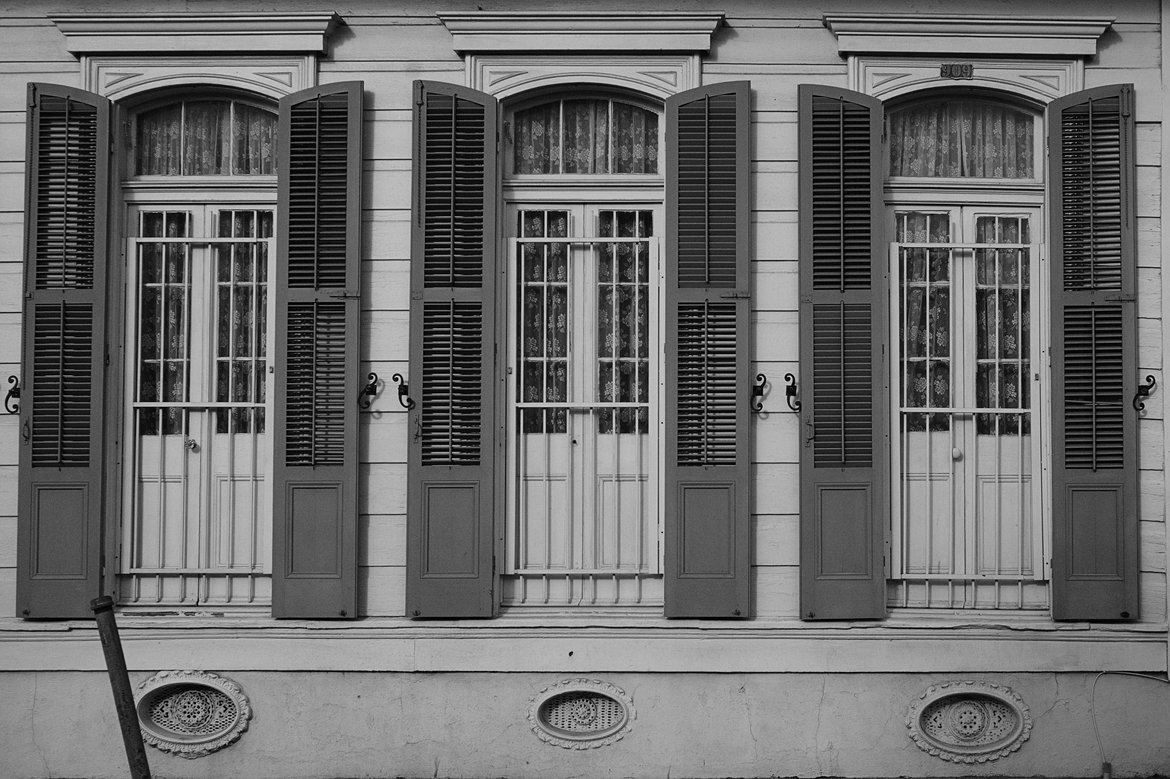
(315, 502)
(708, 375)
(453, 443)
(843, 325)
(59, 535)
(1094, 361)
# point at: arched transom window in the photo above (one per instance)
(585, 135)
(205, 137)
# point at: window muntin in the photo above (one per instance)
(967, 524)
(584, 520)
(969, 138)
(205, 137)
(585, 135)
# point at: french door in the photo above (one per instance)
(196, 523)
(584, 393)
(968, 527)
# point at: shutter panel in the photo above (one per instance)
(59, 536)
(453, 445)
(708, 374)
(315, 504)
(1094, 356)
(843, 334)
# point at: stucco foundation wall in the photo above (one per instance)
(687, 725)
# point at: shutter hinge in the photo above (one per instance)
(737, 294)
(345, 294)
(1121, 298)
(416, 294)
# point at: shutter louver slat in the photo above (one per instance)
(842, 334)
(1094, 370)
(62, 384)
(451, 392)
(707, 386)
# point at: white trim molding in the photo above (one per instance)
(195, 32)
(119, 77)
(507, 75)
(624, 31)
(963, 35)
(1041, 80)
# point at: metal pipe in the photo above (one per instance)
(103, 612)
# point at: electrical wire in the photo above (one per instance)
(1093, 702)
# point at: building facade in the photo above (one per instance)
(511, 389)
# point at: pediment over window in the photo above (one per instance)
(560, 31)
(201, 33)
(966, 34)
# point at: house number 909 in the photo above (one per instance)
(956, 70)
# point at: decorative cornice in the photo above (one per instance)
(966, 35)
(625, 31)
(177, 33)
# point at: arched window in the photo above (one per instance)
(585, 135)
(206, 136)
(962, 137)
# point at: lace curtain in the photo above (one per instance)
(962, 138)
(586, 136)
(206, 138)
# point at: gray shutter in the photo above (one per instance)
(452, 448)
(1094, 360)
(843, 325)
(708, 374)
(315, 502)
(59, 536)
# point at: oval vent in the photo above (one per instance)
(581, 713)
(969, 722)
(191, 713)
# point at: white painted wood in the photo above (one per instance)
(777, 539)
(119, 76)
(382, 539)
(7, 542)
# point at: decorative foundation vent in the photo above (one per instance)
(191, 713)
(581, 714)
(969, 722)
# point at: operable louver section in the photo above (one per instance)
(842, 176)
(452, 383)
(1094, 356)
(707, 192)
(453, 333)
(1091, 191)
(455, 190)
(318, 225)
(62, 385)
(843, 334)
(66, 193)
(1094, 405)
(842, 386)
(707, 384)
(317, 380)
(65, 311)
(317, 282)
(708, 371)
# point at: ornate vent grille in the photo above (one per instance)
(191, 713)
(581, 714)
(191, 710)
(969, 722)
